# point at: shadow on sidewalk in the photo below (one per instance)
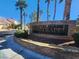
(11, 45)
(25, 53)
(3, 45)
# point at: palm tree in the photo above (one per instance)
(33, 16)
(55, 1)
(67, 8)
(60, 1)
(48, 2)
(21, 5)
(24, 14)
(38, 7)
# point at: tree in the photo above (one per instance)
(25, 15)
(33, 16)
(67, 8)
(60, 1)
(77, 24)
(21, 5)
(48, 2)
(55, 5)
(38, 8)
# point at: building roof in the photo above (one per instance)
(6, 20)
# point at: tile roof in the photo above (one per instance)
(6, 21)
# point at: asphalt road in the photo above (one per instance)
(11, 50)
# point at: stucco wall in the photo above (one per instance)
(1, 26)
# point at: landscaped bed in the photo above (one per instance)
(59, 52)
(24, 34)
(51, 47)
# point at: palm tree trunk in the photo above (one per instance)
(24, 19)
(66, 15)
(55, 9)
(48, 11)
(38, 2)
(21, 17)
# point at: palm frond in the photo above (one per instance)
(60, 1)
(21, 3)
(47, 1)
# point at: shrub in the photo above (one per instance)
(76, 39)
(21, 34)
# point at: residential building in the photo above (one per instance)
(5, 22)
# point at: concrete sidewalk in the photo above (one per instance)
(9, 54)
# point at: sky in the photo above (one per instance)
(8, 10)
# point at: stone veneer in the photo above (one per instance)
(71, 29)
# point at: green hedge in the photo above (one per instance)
(76, 39)
(21, 34)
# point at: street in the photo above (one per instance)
(11, 50)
